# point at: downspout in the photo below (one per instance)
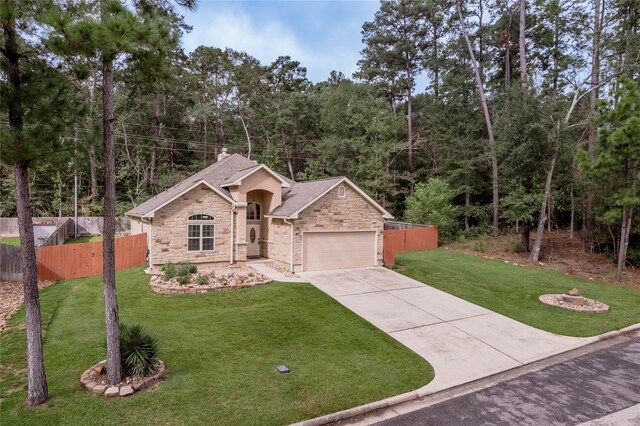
(233, 212)
(291, 224)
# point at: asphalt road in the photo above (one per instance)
(573, 392)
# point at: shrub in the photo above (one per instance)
(517, 248)
(479, 246)
(186, 269)
(138, 350)
(183, 279)
(169, 270)
(202, 280)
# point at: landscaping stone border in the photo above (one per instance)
(589, 305)
(123, 389)
(162, 287)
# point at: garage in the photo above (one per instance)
(337, 250)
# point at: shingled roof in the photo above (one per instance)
(294, 199)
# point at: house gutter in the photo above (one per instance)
(233, 212)
(291, 224)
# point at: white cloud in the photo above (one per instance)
(266, 39)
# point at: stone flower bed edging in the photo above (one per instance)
(94, 380)
(587, 305)
(234, 279)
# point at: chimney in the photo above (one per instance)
(223, 153)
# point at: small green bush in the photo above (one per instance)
(169, 271)
(517, 248)
(479, 246)
(138, 350)
(186, 269)
(183, 279)
(202, 280)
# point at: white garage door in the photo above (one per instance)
(336, 250)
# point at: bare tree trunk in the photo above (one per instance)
(37, 391)
(625, 231)
(487, 118)
(523, 43)
(573, 214)
(246, 132)
(467, 204)
(114, 368)
(535, 251)
(409, 121)
(157, 132)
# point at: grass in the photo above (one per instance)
(12, 241)
(513, 291)
(221, 350)
(85, 239)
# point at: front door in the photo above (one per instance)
(253, 238)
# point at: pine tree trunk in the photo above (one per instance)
(523, 43)
(467, 204)
(589, 222)
(487, 118)
(625, 231)
(409, 121)
(37, 391)
(93, 171)
(542, 217)
(114, 368)
(524, 238)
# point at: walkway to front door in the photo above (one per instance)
(462, 341)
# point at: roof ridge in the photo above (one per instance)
(323, 179)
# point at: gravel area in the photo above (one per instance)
(587, 305)
(218, 278)
(11, 298)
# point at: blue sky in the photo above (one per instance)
(321, 35)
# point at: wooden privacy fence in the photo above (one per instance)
(401, 240)
(10, 262)
(85, 260)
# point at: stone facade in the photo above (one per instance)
(329, 213)
(333, 213)
(169, 239)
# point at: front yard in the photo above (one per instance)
(221, 350)
(514, 290)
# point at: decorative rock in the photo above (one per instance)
(587, 305)
(112, 391)
(91, 385)
(99, 368)
(126, 390)
(99, 388)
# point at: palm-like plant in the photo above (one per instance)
(138, 349)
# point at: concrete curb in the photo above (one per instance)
(421, 392)
(360, 410)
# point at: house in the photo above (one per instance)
(237, 209)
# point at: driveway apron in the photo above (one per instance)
(462, 341)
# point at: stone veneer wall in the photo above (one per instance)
(331, 213)
(169, 239)
(280, 246)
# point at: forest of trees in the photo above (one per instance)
(510, 119)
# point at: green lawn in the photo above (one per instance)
(220, 349)
(85, 239)
(513, 291)
(12, 241)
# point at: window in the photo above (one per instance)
(200, 236)
(341, 192)
(253, 211)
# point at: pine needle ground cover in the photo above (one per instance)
(220, 349)
(513, 291)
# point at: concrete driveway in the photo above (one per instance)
(462, 341)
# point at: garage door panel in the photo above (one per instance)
(335, 250)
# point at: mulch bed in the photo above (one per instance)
(12, 297)
(95, 380)
(219, 278)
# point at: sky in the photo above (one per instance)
(321, 35)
